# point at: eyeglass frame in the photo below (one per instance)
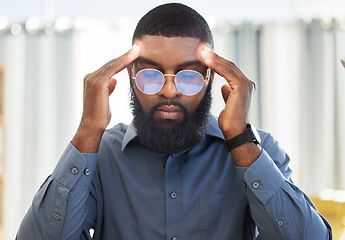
(206, 79)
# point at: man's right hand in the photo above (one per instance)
(97, 88)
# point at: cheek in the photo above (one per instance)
(195, 100)
(146, 101)
(193, 104)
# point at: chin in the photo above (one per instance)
(167, 124)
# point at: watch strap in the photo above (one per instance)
(247, 136)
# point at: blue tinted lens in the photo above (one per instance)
(189, 82)
(149, 81)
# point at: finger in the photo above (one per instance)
(116, 65)
(209, 54)
(222, 66)
(112, 85)
(219, 64)
(225, 92)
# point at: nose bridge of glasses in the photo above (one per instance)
(169, 87)
(169, 75)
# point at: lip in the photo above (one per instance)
(169, 108)
(169, 112)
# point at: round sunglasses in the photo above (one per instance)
(188, 82)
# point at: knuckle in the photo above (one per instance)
(110, 64)
(87, 78)
(253, 85)
(231, 64)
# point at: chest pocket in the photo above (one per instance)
(222, 216)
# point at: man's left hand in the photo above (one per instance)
(238, 94)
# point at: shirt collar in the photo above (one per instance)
(129, 135)
(212, 129)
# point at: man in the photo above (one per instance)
(169, 174)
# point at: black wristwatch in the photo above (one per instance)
(250, 135)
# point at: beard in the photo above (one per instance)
(168, 135)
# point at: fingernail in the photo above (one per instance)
(134, 51)
(208, 61)
(134, 48)
(207, 48)
(204, 53)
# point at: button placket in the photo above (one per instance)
(174, 217)
(173, 195)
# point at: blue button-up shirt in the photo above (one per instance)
(128, 192)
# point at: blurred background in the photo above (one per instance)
(290, 48)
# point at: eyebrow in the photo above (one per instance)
(153, 63)
(147, 61)
(190, 63)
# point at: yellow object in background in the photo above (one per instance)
(331, 204)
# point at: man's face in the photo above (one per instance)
(168, 121)
(169, 55)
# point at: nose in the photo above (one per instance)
(169, 89)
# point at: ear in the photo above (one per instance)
(129, 68)
(211, 77)
(130, 72)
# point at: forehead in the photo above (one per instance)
(170, 51)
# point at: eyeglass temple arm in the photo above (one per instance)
(208, 74)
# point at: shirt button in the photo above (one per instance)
(173, 195)
(256, 185)
(280, 223)
(87, 172)
(174, 238)
(57, 216)
(75, 171)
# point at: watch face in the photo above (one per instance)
(257, 139)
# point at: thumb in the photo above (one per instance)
(225, 92)
(112, 85)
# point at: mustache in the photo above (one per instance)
(177, 104)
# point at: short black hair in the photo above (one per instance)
(174, 20)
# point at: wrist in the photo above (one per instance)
(234, 131)
(246, 154)
(250, 134)
(87, 138)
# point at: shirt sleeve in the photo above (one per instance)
(279, 208)
(58, 209)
